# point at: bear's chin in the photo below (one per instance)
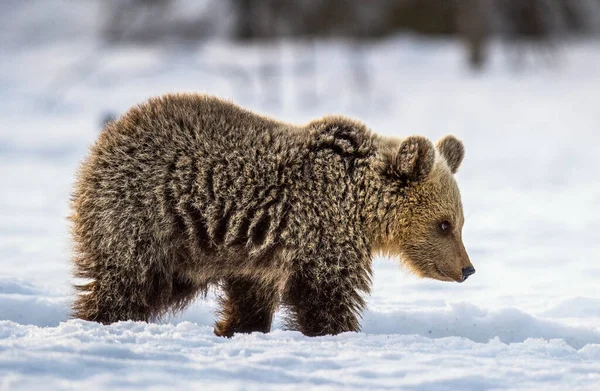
(432, 272)
(440, 277)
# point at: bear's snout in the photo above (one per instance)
(467, 271)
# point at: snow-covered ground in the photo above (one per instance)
(529, 318)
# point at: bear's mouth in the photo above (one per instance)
(438, 271)
(444, 276)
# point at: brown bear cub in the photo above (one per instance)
(187, 191)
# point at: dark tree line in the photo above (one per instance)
(260, 19)
(474, 21)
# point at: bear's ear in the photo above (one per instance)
(412, 161)
(453, 150)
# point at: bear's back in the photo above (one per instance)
(197, 121)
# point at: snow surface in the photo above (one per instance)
(528, 319)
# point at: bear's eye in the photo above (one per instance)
(445, 226)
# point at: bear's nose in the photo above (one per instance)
(467, 271)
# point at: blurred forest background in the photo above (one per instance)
(529, 32)
(159, 22)
(474, 21)
(520, 22)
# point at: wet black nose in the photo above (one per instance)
(467, 271)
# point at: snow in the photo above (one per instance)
(132, 355)
(528, 319)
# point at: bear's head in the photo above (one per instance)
(423, 218)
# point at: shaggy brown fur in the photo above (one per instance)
(186, 191)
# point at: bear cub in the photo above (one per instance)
(188, 191)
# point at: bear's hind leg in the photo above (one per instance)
(247, 305)
(130, 291)
(109, 300)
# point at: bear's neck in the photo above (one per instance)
(379, 215)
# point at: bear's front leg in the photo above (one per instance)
(324, 293)
(247, 305)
